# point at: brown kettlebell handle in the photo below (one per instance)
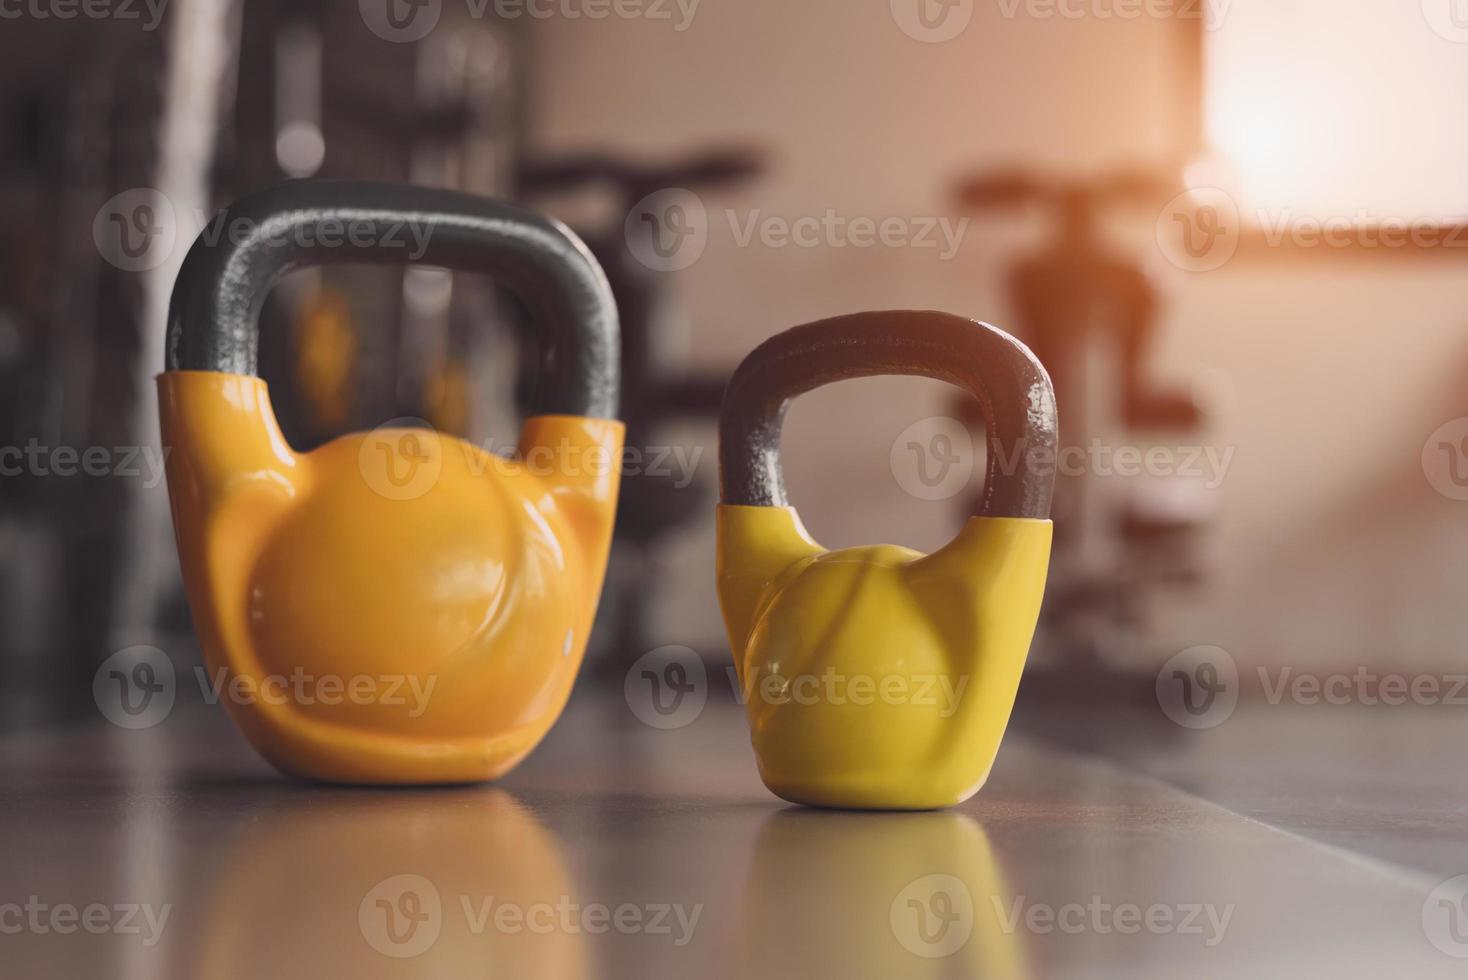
(1012, 388)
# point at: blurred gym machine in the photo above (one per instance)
(347, 348)
(657, 394)
(350, 347)
(1089, 310)
(69, 332)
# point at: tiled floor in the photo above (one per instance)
(1273, 846)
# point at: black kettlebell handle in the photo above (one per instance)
(213, 317)
(1011, 385)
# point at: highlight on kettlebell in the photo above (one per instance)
(962, 618)
(400, 555)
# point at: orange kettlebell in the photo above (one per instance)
(396, 606)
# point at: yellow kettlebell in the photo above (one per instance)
(878, 677)
(396, 606)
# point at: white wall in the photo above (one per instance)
(1330, 547)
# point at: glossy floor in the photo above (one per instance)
(621, 850)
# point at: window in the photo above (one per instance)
(1339, 111)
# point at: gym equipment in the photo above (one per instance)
(653, 508)
(396, 606)
(1090, 309)
(926, 650)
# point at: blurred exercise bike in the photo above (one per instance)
(1089, 310)
(653, 504)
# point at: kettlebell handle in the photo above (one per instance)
(1012, 388)
(213, 319)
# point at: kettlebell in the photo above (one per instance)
(396, 606)
(877, 677)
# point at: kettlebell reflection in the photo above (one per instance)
(455, 884)
(875, 895)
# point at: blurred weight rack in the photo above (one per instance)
(69, 329)
(90, 558)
